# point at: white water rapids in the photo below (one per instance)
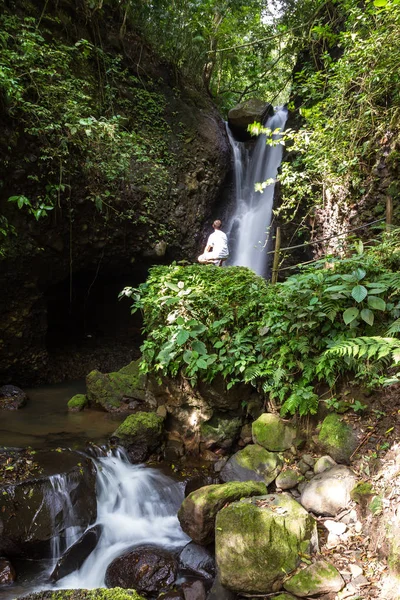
(135, 505)
(248, 229)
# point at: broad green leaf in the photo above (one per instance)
(350, 314)
(367, 316)
(199, 347)
(187, 356)
(359, 293)
(376, 303)
(201, 363)
(182, 337)
(172, 286)
(380, 3)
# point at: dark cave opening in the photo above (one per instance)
(88, 326)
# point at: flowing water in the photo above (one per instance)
(249, 227)
(135, 505)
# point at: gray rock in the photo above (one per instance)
(324, 464)
(12, 397)
(329, 492)
(219, 592)
(7, 572)
(252, 463)
(198, 560)
(194, 590)
(245, 113)
(76, 554)
(287, 480)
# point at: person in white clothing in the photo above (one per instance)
(216, 249)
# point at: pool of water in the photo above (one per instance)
(46, 423)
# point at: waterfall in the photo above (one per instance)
(248, 228)
(135, 505)
(62, 512)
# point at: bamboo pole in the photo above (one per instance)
(275, 266)
(389, 213)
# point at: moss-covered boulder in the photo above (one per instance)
(337, 438)
(77, 403)
(121, 391)
(220, 431)
(273, 433)
(258, 542)
(197, 512)
(141, 434)
(95, 594)
(319, 578)
(252, 463)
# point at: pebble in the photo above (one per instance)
(334, 527)
(355, 570)
(350, 517)
(358, 527)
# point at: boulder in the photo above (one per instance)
(197, 560)
(220, 431)
(77, 403)
(74, 557)
(318, 578)
(273, 433)
(12, 397)
(329, 492)
(147, 569)
(244, 114)
(35, 511)
(141, 434)
(252, 463)
(80, 594)
(121, 391)
(7, 572)
(258, 542)
(197, 512)
(337, 438)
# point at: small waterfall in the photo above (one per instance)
(135, 505)
(248, 228)
(62, 512)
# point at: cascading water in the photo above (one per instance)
(248, 229)
(135, 505)
(62, 511)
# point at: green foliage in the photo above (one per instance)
(207, 321)
(83, 116)
(346, 97)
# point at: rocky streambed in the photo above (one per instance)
(271, 509)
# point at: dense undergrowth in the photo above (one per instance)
(329, 319)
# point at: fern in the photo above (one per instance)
(394, 328)
(368, 347)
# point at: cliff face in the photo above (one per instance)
(125, 159)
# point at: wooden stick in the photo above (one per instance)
(389, 213)
(275, 266)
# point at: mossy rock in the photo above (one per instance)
(253, 462)
(96, 594)
(258, 542)
(77, 403)
(141, 434)
(197, 512)
(318, 578)
(220, 431)
(337, 438)
(273, 433)
(119, 391)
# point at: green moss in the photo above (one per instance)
(258, 541)
(80, 594)
(140, 422)
(376, 505)
(361, 491)
(337, 438)
(77, 402)
(224, 492)
(219, 429)
(308, 582)
(273, 433)
(110, 390)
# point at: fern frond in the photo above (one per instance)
(371, 347)
(394, 328)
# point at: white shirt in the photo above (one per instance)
(219, 243)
